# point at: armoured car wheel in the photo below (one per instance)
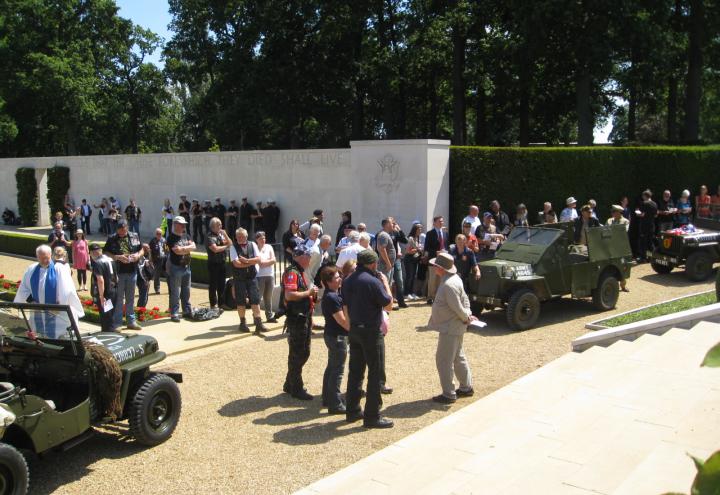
(523, 309)
(661, 269)
(13, 471)
(155, 410)
(698, 266)
(605, 296)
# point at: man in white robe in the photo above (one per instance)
(37, 286)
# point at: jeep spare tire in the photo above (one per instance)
(605, 295)
(13, 471)
(155, 410)
(523, 310)
(698, 266)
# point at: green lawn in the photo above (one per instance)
(663, 309)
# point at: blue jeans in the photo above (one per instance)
(178, 278)
(337, 355)
(143, 291)
(126, 294)
(398, 279)
(134, 226)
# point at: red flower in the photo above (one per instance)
(2, 276)
(6, 285)
(156, 317)
(142, 310)
(156, 308)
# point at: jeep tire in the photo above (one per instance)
(523, 309)
(661, 269)
(155, 410)
(698, 266)
(13, 471)
(605, 295)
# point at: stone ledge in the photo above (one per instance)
(657, 326)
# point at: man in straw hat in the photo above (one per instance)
(451, 316)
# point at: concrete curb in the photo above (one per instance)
(656, 326)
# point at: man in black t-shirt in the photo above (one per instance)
(133, 214)
(123, 247)
(219, 211)
(648, 211)
(232, 218)
(246, 213)
(184, 208)
(271, 219)
(179, 275)
(102, 285)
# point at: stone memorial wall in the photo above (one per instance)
(408, 179)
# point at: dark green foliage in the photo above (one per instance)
(27, 195)
(606, 174)
(58, 184)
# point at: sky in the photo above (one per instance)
(153, 14)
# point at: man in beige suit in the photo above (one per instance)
(451, 316)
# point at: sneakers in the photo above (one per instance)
(379, 423)
(134, 326)
(175, 319)
(243, 326)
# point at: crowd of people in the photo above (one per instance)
(357, 277)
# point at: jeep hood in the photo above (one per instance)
(125, 348)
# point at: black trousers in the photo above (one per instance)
(197, 225)
(299, 334)
(367, 349)
(216, 287)
(106, 320)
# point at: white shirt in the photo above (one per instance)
(568, 215)
(313, 243)
(475, 222)
(316, 259)
(349, 253)
(267, 253)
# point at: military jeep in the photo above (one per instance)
(536, 264)
(695, 250)
(56, 385)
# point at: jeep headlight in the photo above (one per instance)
(514, 272)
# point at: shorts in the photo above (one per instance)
(246, 289)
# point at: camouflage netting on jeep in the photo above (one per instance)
(108, 380)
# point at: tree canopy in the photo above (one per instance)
(248, 74)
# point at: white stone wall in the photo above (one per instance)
(373, 179)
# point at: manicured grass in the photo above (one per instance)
(661, 309)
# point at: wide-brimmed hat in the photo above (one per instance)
(617, 208)
(444, 261)
(180, 220)
(570, 201)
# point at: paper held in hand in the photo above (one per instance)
(107, 306)
(477, 324)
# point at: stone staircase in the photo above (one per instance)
(610, 420)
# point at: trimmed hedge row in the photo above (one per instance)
(27, 199)
(58, 184)
(535, 175)
(25, 245)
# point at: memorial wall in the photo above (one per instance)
(408, 179)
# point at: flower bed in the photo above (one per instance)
(92, 313)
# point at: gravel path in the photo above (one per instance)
(239, 434)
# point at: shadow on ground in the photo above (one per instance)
(676, 278)
(52, 470)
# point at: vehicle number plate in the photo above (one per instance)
(661, 262)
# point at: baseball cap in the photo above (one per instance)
(180, 220)
(121, 223)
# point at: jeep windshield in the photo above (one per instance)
(45, 323)
(533, 236)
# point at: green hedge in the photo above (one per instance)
(58, 184)
(27, 199)
(535, 175)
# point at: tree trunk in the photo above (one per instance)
(672, 101)
(584, 110)
(433, 118)
(632, 112)
(481, 135)
(693, 85)
(459, 41)
(524, 75)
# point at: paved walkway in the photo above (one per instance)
(617, 420)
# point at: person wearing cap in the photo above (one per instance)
(342, 231)
(124, 248)
(245, 259)
(299, 295)
(569, 213)
(80, 258)
(271, 220)
(219, 212)
(231, 217)
(365, 294)
(246, 213)
(581, 225)
(103, 286)
(179, 275)
(183, 208)
(617, 218)
(133, 214)
(198, 222)
(646, 213)
(451, 316)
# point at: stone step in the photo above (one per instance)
(704, 334)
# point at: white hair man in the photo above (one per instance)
(313, 236)
(352, 249)
(46, 283)
(320, 255)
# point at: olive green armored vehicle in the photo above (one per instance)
(536, 264)
(56, 385)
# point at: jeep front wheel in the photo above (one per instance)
(523, 310)
(698, 266)
(155, 410)
(661, 269)
(605, 296)
(13, 471)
